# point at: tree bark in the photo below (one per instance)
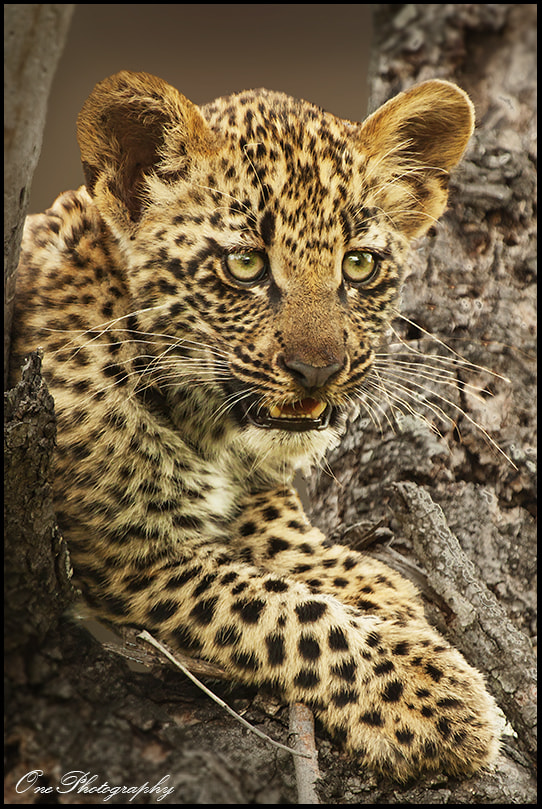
(76, 705)
(34, 36)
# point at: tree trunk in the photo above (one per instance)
(75, 706)
(34, 36)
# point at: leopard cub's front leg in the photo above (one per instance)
(274, 533)
(405, 700)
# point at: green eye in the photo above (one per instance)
(247, 267)
(359, 266)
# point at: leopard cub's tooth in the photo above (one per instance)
(275, 412)
(318, 410)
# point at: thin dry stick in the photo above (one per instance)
(144, 635)
(306, 769)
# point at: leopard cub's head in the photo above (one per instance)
(264, 239)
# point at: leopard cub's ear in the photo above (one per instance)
(131, 124)
(410, 144)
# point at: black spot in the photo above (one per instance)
(365, 604)
(433, 672)
(345, 225)
(295, 525)
(116, 371)
(344, 697)
(340, 582)
(227, 636)
(166, 287)
(427, 711)
(349, 563)
(341, 737)
(249, 609)
(308, 647)
(346, 670)
(401, 648)
(373, 639)
(304, 568)
(314, 584)
(275, 585)
(247, 529)
(245, 555)
(422, 693)
(82, 386)
(239, 588)
(175, 310)
(404, 736)
(306, 678)
(383, 580)
(204, 584)
(392, 692)
(384, 668)
(162, 611)
(270, 514)
(187, 521)
(246, 660)
(459, 736)
(275, 649)
(337, 639)
(182, 636)
(134, 584)
(449, 702)
(275, 545)
(227, 578)
(274, 292)
(373, 718)
(204, 610)
(184, 576)
(430, 750)
(310, 611)
(443, 727)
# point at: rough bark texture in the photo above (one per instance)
(34, 36)
(37, 569)
(459, 513)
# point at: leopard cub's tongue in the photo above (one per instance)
(305, 408)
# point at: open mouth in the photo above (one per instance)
(306, 414)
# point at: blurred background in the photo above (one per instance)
(319, 52)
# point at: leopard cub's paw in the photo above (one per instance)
(420, 707)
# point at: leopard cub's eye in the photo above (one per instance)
(247, 267)
(360, 266)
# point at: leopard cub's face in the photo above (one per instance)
(265, 239)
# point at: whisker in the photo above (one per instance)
(437, 411)
(376, 404)
(465, 362)
(406, 373)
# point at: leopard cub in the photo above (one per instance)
(209, 305)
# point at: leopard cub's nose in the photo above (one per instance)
(309, 376)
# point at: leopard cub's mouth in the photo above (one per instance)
(305, 414)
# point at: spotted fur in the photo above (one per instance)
(187, 397)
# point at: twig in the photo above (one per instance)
(127, 642)
(144, 635)
(306, 769)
